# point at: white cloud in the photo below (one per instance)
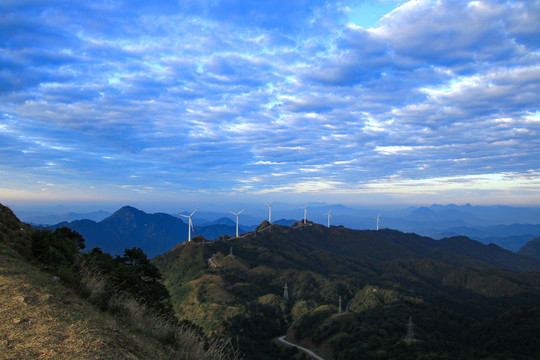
(200, 97)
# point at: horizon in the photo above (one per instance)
(280, 211)
(386, 103)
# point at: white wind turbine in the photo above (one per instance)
(329, 216)
(378, 221)
(236, 219)
(305, 212)
(269, 211)
(190, 224)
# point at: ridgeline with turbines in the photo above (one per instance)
(292, 280)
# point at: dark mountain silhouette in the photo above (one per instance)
(153, 233)
(129, 227)
(532, 248)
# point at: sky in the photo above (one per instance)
(377, 101)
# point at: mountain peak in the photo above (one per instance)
(128, 209)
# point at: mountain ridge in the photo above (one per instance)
(377, 275)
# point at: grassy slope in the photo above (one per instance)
(40, 318)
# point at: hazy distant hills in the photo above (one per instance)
(506, 226)
(157, 233)
(67, 217)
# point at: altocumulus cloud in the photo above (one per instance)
(262, 97)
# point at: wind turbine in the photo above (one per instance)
(305, 212)
(329, 216)
(378, 221)
(236, 219)
(269, 211)
(190, 224)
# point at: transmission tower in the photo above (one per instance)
(410, 330)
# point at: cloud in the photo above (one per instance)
(210, 96)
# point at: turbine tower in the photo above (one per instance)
(269, 211)
(378, 221)
(236, 219)
(305, 212)
(329, 216)
(190, 224)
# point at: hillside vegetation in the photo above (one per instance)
(454, 290)
(40, 318)
(58, 302)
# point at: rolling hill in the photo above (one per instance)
(453, 286)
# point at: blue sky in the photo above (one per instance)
(414, 102)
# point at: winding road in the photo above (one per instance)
(307, 351)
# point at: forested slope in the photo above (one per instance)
(382, 278)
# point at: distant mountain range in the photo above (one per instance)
(506, 226)
(158, 233)
(67, 217)
(154, 233)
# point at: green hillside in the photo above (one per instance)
(57, 302)
(452, 290)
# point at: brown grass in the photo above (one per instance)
(40, 318)
(182, 341)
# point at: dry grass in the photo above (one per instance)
(190, 346)
(183, 342)
(40, 318)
